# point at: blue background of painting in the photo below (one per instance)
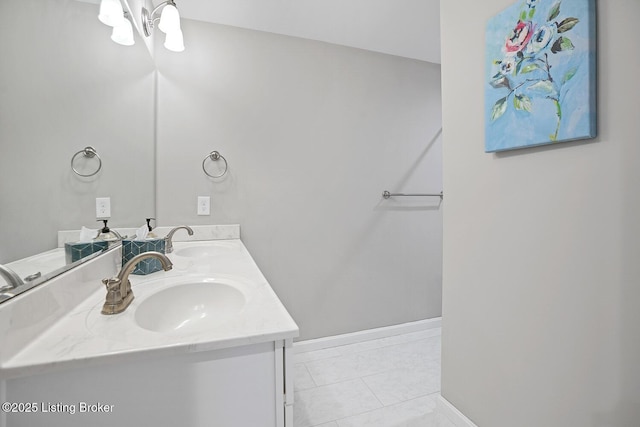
(518, 129)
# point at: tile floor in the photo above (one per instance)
(387, 382)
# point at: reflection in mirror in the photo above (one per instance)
(65, 86)
(50, 262)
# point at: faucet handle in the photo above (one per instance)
(113, 289)
(114, 296)
(111, 283)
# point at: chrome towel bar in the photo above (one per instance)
(387, 194)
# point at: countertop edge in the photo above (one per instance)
(8, 372)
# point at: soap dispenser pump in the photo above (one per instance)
(106, 233)
(150, 235)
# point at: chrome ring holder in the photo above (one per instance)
(89, 152)
(215, 156)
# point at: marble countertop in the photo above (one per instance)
(84, 336)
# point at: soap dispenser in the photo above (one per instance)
(151, 234)
(107, 234)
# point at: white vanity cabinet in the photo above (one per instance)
(234, 387)
(63, 364)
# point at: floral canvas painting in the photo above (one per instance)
(540, 74)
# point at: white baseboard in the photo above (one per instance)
(450, 412)
(366, 335)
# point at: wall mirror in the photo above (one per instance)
(64, 85)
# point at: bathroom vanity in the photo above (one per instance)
(207, 343)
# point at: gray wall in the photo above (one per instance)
(65, 85)
(541, 247)
(313, 134)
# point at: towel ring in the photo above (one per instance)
(89, 152)
(215, 156)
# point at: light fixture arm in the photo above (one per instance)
(148, 19)
(158, 7)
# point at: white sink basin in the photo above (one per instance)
(196, 250)
(189, 307)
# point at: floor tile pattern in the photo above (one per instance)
(387, 382)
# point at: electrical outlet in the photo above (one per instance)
(103, 207)
(204, 205)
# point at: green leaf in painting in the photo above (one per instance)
(558, 109)
(532, 12)
(543, 87)
(529, 68)
(554, 137)
(554, 12)
(522, 102)
(499, 108)
(561, 45)
(567, 24)
(523, 15)
(500, 82)
(569, 75)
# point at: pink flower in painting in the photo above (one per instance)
(519, 37)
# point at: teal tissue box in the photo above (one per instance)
(75, 251)
(131, 248)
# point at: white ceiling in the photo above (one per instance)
(409, 28)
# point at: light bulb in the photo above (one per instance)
(174, 41)
(123, 34)
(169, 20)
(111, 13)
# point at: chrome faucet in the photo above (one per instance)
(12, 278)
(119, 293)
(168, 243)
